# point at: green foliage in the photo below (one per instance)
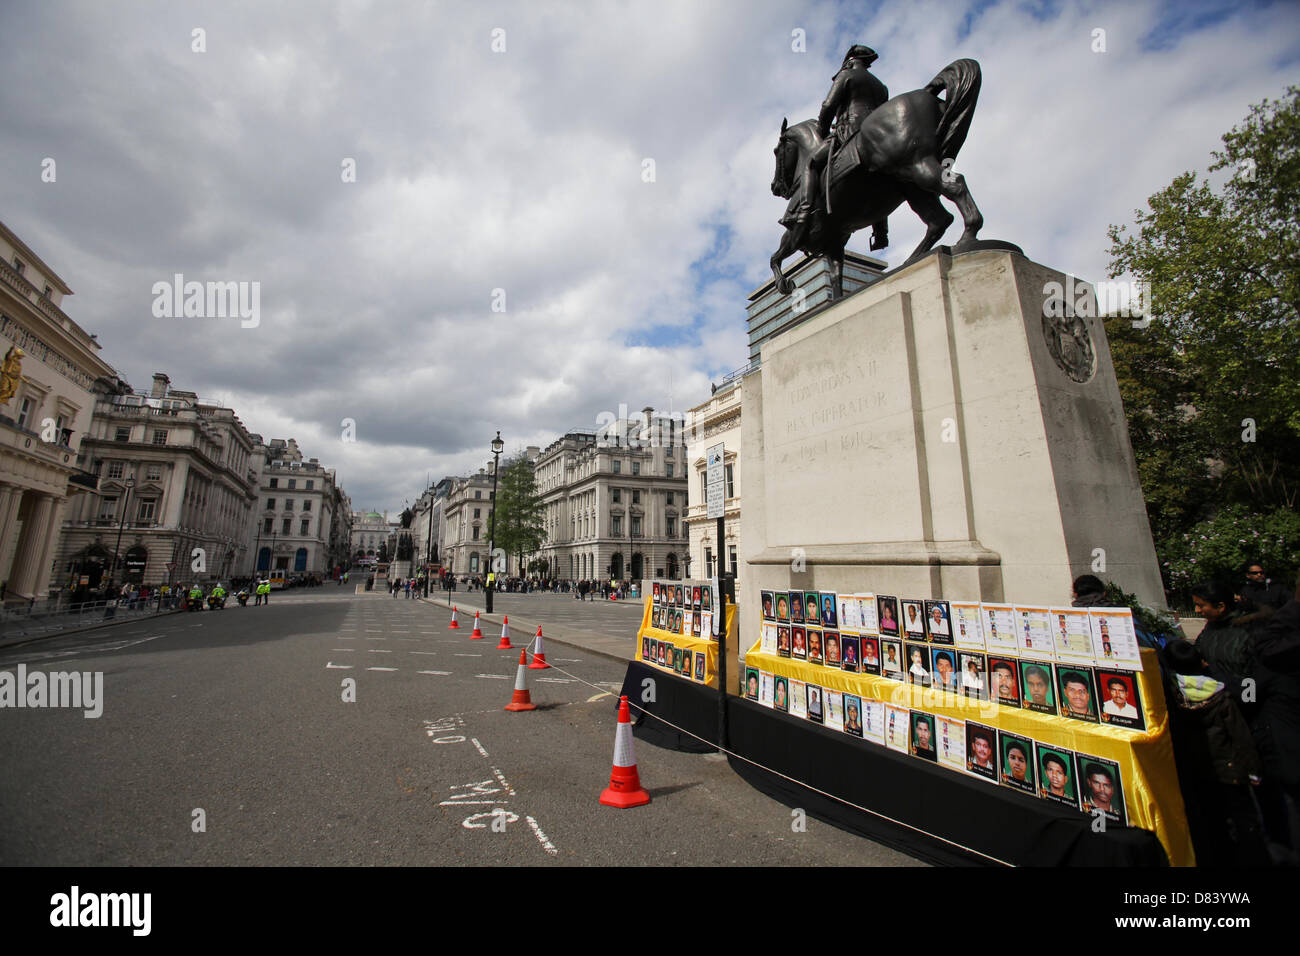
(519, 527)
(1211, 386)
(1221, 547)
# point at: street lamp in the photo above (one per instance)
(497, 446)
(126, 501)
(428, 550)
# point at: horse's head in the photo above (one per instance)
(787, 161)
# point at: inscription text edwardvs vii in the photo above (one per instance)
(822, 426)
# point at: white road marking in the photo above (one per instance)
(474, 741)
(493, 676)
(598, 697)
(379, 650)
(381, 668)
(345, 650)
(426, 653)
(502, 780)
(436, 673)
(547, 845)
(469, 655)
(554, 680)
(338, 667)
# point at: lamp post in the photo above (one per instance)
(497, 446)
(428, 550)
(126, 501)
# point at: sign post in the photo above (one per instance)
(715, 504)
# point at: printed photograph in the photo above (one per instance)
(974, 675)
(751, 683)
(699, 665)
(783, 640)
(1017, 762)
(831, 647)
(887, 607)
(798, 698)
(898, 728)
(769, 611)
(766, 687)
(914, 620)
(981, 750)
(1100, 788)
(918, 664)
(1078, 697)
(796, 607)
(815, 703)
(850, 648)
(829, 616)
(815, 651)
(891, 659)
(812, 607)
(799, 643)
(1121, 700)
(868, 654)
(1056, 775)
(833, 704)
(853, 715)
(943, 668)
(1003, 672)
(1036, 687)
(781, 698)
(782, 606)
(922, 739)
(938, 622)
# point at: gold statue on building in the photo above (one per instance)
(11, 373)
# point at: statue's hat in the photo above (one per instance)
(862, 52)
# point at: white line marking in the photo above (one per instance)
(598, 697)
(547, 845)
(426, 653)
(493, 676)
(436, 673)
(381, 668)
(469, 655)
(379, 650)
(554, 680)
(338, 667)
(345, 650)
(474, 741)
(502, 780)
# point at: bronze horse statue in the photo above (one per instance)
(907, 147)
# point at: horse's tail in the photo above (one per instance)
(961, 79)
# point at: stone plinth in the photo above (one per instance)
(938, 434)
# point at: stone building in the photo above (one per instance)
(176, 485)
(615, 499)
(301, 524)
(712, 422)
(370, 532)
(464, 529)
(43, 421)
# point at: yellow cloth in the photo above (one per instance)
(693, 644)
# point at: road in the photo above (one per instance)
(227, 738)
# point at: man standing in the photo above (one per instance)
(1259, 592)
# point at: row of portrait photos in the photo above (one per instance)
(1088, 783)
(1046, 687)
(683, 607)
(680, 660)
(1102, 637)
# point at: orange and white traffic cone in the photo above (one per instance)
(539, 654)
(476, 634)
(521, 700)
(453, 625)
(504, 644)
(624, 790)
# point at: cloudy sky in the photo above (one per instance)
(504, 147)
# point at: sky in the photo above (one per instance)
(464, 218)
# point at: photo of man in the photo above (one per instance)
(973, 680)
(849, 651)
(782, 607)
(655, 592)
(796, 607)
(782, 640)
(918, 661)
(677, 659)
(853, 715)
(922, 743)
(1076, 699)
(887, 606)
(1017, 767)
(678, 599)
(814, 646)
(945, 671)
(980, 744)
(829, 618)
(781, 701)
(815, 703)
(1036, 687)
(812, 607)
(1006, 688)
(706, 598)
(699, 665)
(891, 660)
(695, 624)
(938, 622)
(799, 647)
(1101, 789)
(831, 643)
(769, 614)
(751, 683)
(1055, 776)
(695, 597)
(663, 653)
(1122, 706)
(914, 619)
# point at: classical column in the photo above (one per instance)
(10, 497)
(31, 547)
(52, 526)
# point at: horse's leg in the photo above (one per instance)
(930, 176)
(936, 218)
(783, 251)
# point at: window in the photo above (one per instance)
(708, 562)
(670, 495)
(48, 290)
(475, 532)
(146, 509)
(618, 467)
(160, 436)
(288, 504)
(293, 483)
(306, 505)
(731, 559)
(108, 508)
(618, 496)
(122, 434)
(153, 473)
(618, 526)
(731, 483)
(672, 527)
(636, 497)
(25, 412)
(636, 467)
(478, 494)
(266, 526)
(668, 469)
(115, 469)
(476, 512)
(19, 266)
(306, 524)
(275, 482)
(286, 526)
(270, 504)
(704, 486)
(668, 452)
(310, 484)
(636, 527)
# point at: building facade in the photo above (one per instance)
(615, 499)
(46, 403)
(465, 513)
(301, 526)
(712, 422)
(176, 491)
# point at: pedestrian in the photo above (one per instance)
(1260, 592)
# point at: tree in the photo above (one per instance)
(519, 527)
(1211, 384)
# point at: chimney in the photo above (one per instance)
(160, 383)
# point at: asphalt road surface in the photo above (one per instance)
(228, 738)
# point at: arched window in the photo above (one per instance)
(264, 559)
(300, 560)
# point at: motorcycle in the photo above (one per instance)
(194, 604)
(242, 598)
(216, 603)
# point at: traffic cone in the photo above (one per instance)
(521, 700)
(624, 790)
(505, 644)
(539, 654)
(476, 634)
(453, 625)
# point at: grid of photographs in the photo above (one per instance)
(687, 608)
(1093, 785)
(683, 661)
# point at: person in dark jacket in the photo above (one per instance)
(1259, 592)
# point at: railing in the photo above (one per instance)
(56, 615)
